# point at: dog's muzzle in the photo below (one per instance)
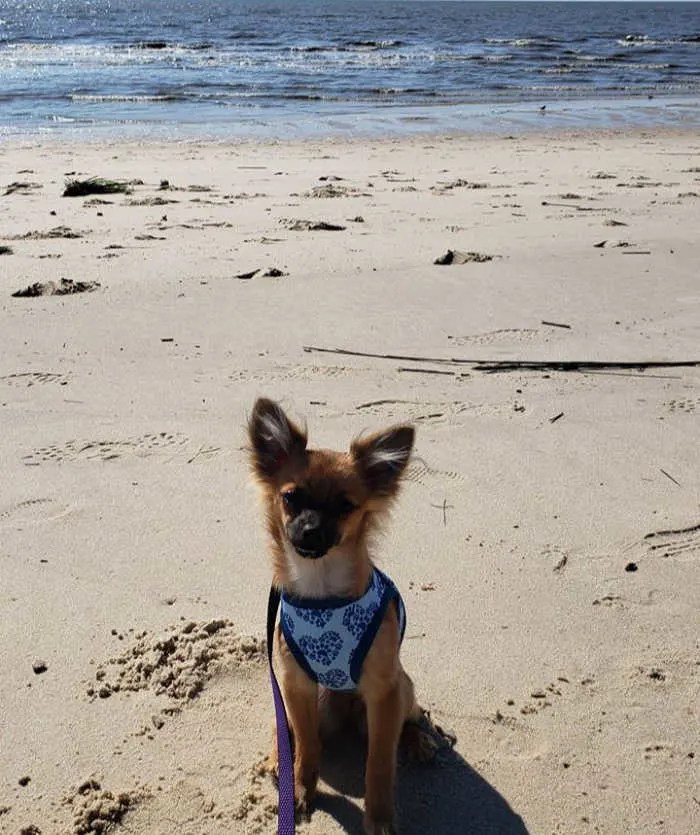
(311, 535)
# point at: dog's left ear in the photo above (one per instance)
(274, 439)
(382, 458)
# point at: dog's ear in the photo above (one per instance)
(382, 458)
(274, 439)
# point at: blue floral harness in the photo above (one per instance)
(330, 637)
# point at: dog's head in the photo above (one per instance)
(319, 499)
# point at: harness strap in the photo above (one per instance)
(285, 763)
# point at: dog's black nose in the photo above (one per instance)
(308, 534)
(310, 527)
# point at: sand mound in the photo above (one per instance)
(176, 664)
(96, 809)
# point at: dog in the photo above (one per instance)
(342, 619)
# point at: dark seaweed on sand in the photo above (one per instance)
(64, 287)
(95, 185)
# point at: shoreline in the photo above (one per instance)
(528, 118)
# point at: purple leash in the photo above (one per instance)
(285, 764)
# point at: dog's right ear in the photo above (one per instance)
(274, 439)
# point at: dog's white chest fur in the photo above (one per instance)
(330, 576)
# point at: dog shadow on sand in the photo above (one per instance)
(441, 797)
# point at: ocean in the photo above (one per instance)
(305, 68)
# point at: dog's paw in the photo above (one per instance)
(270, 766)
(377, 827)
(418, 744)
(303, 802)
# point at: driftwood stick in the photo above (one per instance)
(669, 476)
(432, 371)
(636, 374)
(575, 365)
(672, 532)
(314, 349)
(574, 206)
(513, 365)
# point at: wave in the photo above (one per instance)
(542, 41)
(581, 67)
(347, 46)
(374, 44)
(150, 45)
(222, 96)
(647, 42)
(244, 36)
(313, 49)
(401, 91)
(113, 98)
(160, 45)
(491, 59)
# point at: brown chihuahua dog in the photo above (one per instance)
(342, 620)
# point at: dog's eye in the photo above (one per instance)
(345, 506)
(293, 499)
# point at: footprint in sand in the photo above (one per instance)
(537, 700)
(299, 372)
(497, 336)
(160, 443)
(419, 472)
(33, 511)
(416, 412)
(688, 404)
(31, 378)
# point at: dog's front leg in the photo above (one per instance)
(301, 702)
(384, 721)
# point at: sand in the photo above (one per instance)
(548, 536)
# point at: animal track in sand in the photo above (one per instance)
(689, 404)
(539, 698)
(160, 443)
(416, 412)
(418, 471)
(313, 372)
(34, 511)
(497, 336)
(31, 378)
(258, 805)
(662, 751)
(683, 542)
(612, 601)
(299, 372)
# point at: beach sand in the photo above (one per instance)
(548, 535)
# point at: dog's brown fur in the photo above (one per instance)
(361, 484)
